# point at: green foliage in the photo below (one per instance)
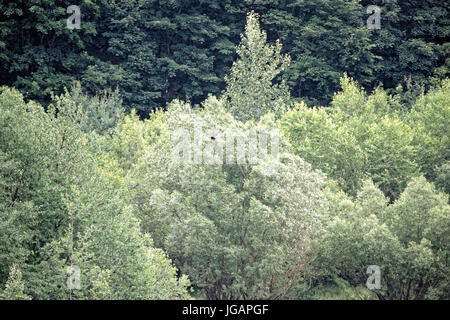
(109, 240)
(430, 120)
(46, 153)
(162, 50)
(409, 216)
(39, 54)
(390, 155)
(86, 183)
(335, 289)
(250, 91)
(238, 232)
(14, 289)
(443, 177)
(403, 239)
(156, 51)
(64, 204)
(412, 41)
(17, 227)
(327, 146)
(100, 113)
(371, 130)
(325, 38)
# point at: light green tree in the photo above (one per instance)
(251, 91)
(237, 231)
(390, 155)
(64, 203)
(100, 112)
(326, 144)
(430, 119)
(405, 239)
(14, 288)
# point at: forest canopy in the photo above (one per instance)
(156, 51)
(116, 166)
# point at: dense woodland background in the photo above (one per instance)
(86, 172)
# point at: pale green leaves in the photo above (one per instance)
(251, 91)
